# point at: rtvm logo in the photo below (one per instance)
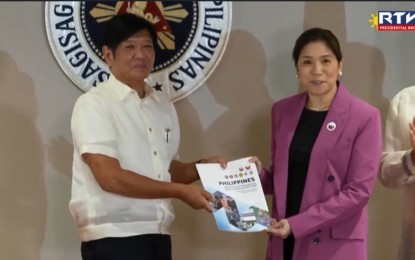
(396, 21)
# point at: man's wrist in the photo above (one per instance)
(197, 173)
(201, 161)
(177, 190)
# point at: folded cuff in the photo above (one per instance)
(407, 164)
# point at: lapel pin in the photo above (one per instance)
(331, 126)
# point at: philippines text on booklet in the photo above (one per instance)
(239, 203)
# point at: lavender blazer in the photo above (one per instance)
(332, 223)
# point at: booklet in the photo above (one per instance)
(239, 203)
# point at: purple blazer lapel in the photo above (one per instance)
(290, 118)
(333, 126)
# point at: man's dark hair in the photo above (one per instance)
(123, 26)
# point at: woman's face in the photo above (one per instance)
(318, 68)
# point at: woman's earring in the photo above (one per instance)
(340, 73)
(296, 75)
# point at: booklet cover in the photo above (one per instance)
(239, 203)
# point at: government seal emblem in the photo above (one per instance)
(191, 39)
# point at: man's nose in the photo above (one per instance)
(138, 53)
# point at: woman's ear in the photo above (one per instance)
(341, 68)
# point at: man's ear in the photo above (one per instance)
(108, 55)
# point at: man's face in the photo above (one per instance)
(133, 59)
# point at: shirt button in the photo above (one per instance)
(155, 153)
(330, 178)
(150, 129)
(316, 241)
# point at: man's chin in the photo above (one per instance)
(139, 76)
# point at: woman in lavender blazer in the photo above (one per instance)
(326, 148)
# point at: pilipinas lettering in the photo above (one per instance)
(204, 50)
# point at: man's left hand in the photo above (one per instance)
(216, 159)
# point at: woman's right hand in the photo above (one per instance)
(257, 162)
